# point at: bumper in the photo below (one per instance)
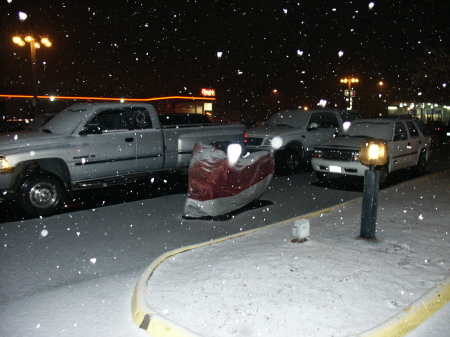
(351, 168)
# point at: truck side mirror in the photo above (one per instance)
(313, 126)
(91, 129)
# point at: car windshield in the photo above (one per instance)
(291, 118)
(370, 129)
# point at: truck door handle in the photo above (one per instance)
(129, 140)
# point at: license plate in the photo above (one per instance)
(336, 169)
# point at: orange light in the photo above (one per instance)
(46, 42)
(112, 98)
(18, 40)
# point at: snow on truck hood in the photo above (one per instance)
(25, 139)
(343, 142)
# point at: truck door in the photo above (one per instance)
(414, 143)
(326, 125)
(400, 151)
(149, 141)
(106, 149)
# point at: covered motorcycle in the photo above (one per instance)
(218, 185)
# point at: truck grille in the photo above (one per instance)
(255, 141)
(344, 155)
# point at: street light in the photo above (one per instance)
(32, 40)
(349, 92)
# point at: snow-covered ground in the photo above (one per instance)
(263, 284)
(260, 284)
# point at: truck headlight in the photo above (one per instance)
(318, 154)
(4, 164)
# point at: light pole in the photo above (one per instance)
(349, 92)
(31, 39)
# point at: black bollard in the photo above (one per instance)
(370, 203)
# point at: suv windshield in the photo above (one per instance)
(292, 118)
(370, 129)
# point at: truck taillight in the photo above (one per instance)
(245, 137)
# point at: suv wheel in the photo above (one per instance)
(421, 166)
(384, 174)
(41, 195)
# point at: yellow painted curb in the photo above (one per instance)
(415, 314)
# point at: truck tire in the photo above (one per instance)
(290, 161)
(385, 175)
(421, 166)
(41, 195)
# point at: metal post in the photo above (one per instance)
(370, 203)
(34, 78)
(350, 94)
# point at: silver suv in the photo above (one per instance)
(408, 146)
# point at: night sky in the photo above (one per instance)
(160, 48)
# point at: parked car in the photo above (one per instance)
(408, 147)
(438, 132)
(297, 132)
(7, 126)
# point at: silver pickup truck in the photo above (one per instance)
(96, 145)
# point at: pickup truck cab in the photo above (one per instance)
(96, 145)
(296, 132)
(408, 146)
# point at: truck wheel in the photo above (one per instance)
(421, 166)
(290, 162)
(41, 195)
(384, 174)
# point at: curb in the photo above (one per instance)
(413, 315)
(155, 325)
(399, 325)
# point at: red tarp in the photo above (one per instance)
(216, 188)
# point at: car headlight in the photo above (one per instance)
(356, 156)
(4, 164)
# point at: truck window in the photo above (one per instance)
(400, 131)
(122, 119)
(413, 132)
(325, 120)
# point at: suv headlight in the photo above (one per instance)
(4, 164)
(318, 154)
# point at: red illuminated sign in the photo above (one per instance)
(208, 92)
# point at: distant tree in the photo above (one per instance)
(432, 74)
